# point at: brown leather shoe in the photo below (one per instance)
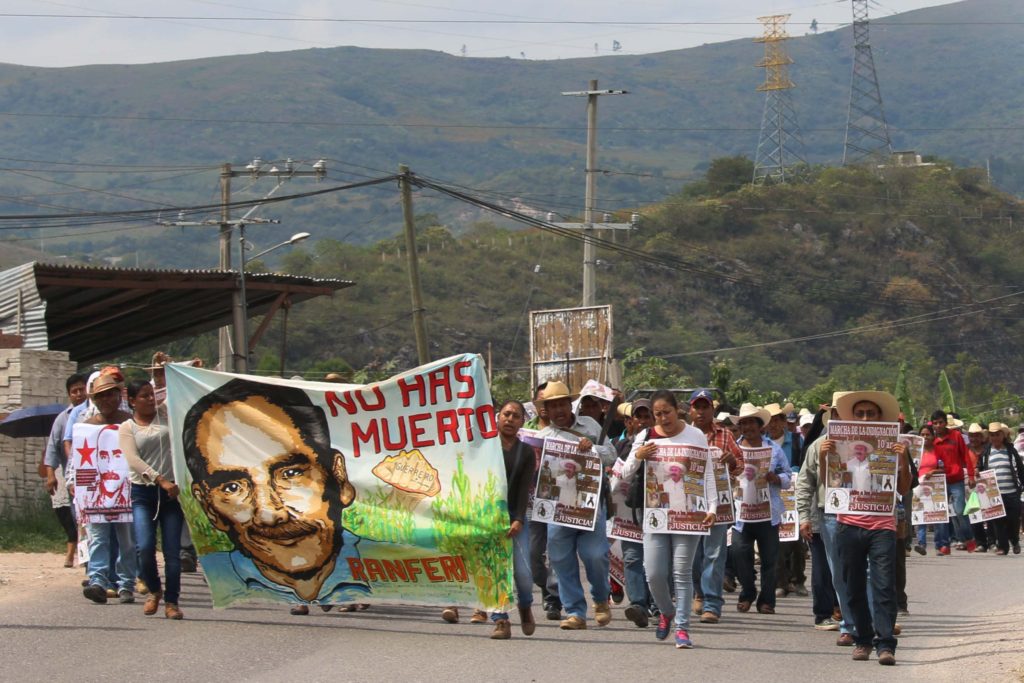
(450, 615)
(171, 611)
(698, 606)
(766, 609)
(602, 613)
(709, 618)
(844, 640)
(861, 653)
(526, 622)
(743, 606)
(479, 617)
(502, 630)
(152, 603)
(573, 623)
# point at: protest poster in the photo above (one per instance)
(861, 471)
(915, 446)
(675, 489)
(103, 491)
(568, 486)
(990, 501)
(322, 493)
(616, 562)
(725, 513)
(789, 527)
(930, 503)
(620, 522)
(530, 438)
(752, 501)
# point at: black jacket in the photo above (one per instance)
(520, 465)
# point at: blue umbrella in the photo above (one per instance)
(31, 421)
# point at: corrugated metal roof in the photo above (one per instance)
(102, 312)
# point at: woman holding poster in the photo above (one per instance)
(930, 463)
(660, 547)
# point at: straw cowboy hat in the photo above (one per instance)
(976, 428)
(999, 427)
(625, 409)
(105, 383)
(775, 409)
(953, 423)
(554, 391)
(750, 410)
(888, 404)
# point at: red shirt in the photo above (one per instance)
(722, 438)
(952, 451)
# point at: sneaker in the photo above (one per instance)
(781, 592)
(920, 549)
(944, 550)
(886, 658)
(125, 597)
(189, 562)
(971, 546)
(111, 593)
(698, 606)
(553, 612)
(827, 624)
(602, 613)
(844, 640)
(683, 641)
(617, 594)
(664, 626)
(709, 618)
(96, 593)
(959, 546)
(573, 623)
(638, 615)
(801, 590)
(861, 653)
(981, 549)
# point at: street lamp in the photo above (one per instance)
(242, 312)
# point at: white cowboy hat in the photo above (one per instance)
(750, 410)
(888, 404)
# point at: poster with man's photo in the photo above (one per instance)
(620, 522)
(725, 513)
(616, 563)
(752, 501)
(789, 527)
(990, 502)
(862, 468)
(915, 446)
(930, 504)
(568, 486)
(530, 438)
(103, 491)
(675, 490)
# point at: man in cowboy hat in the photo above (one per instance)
(567, 546)
(951, 450)
(868, 542)
(792, 566)
(1002, 456)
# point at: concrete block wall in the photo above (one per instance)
(27, 378)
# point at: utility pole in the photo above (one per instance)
(779, 146)
(589, 250)
(224, 263)
(867, 135)
(418, 326)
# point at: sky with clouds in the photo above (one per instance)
(143, 31)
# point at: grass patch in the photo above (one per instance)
(34, 529)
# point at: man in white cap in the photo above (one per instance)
(867, 543)
(568, 547)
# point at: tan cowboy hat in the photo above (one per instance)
(775, 409)
(976, 428)
(625, 409)
(999, 427)
(750, 410)
(725, 418)
(105, 383)
(953, 423)
(883, 399)
(554, 391)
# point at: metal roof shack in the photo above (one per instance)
(100, 313)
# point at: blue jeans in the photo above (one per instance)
(659, 549)
(99, 555)
(636, 578)
(152, 505)
(870, 555)
(520, 571)
(766, 535)
(961, 524)
(568, 547)
(829, 529)
(823, 594)
(939, 531)
(709, 568)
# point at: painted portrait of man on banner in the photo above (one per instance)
(264, 472)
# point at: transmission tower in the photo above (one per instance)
(867, 135)
(779, 146)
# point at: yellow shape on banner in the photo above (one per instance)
(410, 472)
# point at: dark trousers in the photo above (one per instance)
(543, 576)
(901, 575)
(860, 548)
(767, 538)
(980, 536)
(823, 593)
(67, 523)
(791, 569)
(1007, 529)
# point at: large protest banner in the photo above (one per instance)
(568, 486)
(930, 503)
(861, 471)
(789, 527)
(990, 501)
(620, 524)
(103, 492)
(725, 513)
(309, 492)
(676, 489)
(753, 503)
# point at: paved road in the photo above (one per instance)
(965, 625)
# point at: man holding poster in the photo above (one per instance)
(867, 520)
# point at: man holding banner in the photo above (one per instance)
(867, 519)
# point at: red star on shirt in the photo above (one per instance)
(86, 453)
